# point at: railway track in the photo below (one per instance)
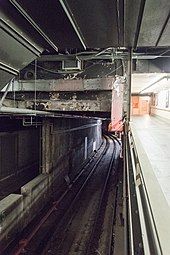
(74, 224)
(93, 243)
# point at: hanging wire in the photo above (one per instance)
(114, 70)
(45, 69)
(5, 93)
(58, 72)
(13, 90)
(35, 85)
(77, 72)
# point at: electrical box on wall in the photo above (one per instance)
(71, 65)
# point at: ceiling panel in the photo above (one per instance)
(102, 23)
(22, 24)
(51, 18)
(5, 78)
(141, 81)
(13, 53)
(131, 18)
(16, 49)
(97, 21)
(154, 17)
(165, 38)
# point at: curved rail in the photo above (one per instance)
(37, 239)
(95, 235)
(87, 245)
(24, 243)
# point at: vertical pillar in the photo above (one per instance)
(46, 147)
(117, 104)
(85, 147)
(129, 81)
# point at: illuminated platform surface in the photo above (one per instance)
(152, 141)
(154, 135)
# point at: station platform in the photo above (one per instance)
(151, 137)
(154, 135)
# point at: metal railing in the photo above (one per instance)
(141, 236)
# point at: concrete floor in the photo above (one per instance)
(154, 135)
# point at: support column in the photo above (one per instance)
(117, 104)
(129, 83)
(46, 147)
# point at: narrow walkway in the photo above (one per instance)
(154, 135)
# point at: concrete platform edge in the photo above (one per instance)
(159, 205)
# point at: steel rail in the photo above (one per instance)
(25, 242)
(94, 238)
(80, 191)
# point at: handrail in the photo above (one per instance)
(151, 242)
(132, 229)
(150, 213)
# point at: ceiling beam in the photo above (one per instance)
(139, 22)
(73, 22)
(163, 29)
(32, 22)
(54, 58)
(8, 68)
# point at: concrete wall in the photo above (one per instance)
(19, 153)
(88, 101)
(63, 153)
(161, 103)
(59, 85)
(140, 105)
(63, 94)
(161, 112)
(68, 138)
